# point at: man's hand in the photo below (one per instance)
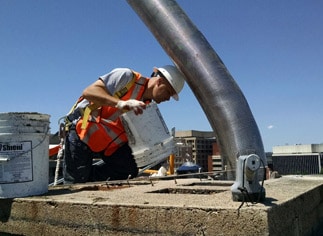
(131, 104)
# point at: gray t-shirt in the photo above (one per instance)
(114, 81)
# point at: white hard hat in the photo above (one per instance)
(174, 77)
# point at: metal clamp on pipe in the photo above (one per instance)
(247, 187)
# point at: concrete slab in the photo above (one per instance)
(293, 206)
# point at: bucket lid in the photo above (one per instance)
(24, 116)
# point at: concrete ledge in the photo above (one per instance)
(293, 206)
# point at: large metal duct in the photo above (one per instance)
(220, 97)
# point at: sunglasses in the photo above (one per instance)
(157, 74)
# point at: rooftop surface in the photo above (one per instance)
(188, 206)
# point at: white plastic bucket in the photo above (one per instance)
(24, 142)
(148, 136)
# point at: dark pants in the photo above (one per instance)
(78, 167)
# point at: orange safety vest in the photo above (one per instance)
(104, 130)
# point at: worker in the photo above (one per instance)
(94, 129)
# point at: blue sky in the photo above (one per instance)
(51, 50)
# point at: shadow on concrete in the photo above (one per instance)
(69, 189)
(5, 209)
(270, 201)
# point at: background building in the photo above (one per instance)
(215, 162)
(298, 159)
(194, 146)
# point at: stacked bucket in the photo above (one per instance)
(24, 142)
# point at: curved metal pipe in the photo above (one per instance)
(220, 97)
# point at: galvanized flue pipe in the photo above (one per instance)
(220, 97)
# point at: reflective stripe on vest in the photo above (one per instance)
(104, 130)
